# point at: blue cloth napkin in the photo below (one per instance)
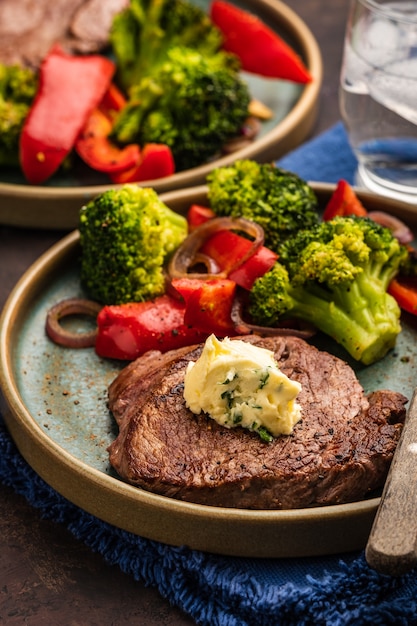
(326, 158)
(226, 591)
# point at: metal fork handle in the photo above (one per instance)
(392, 543)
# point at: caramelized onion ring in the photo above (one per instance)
(251, 127)
(185, 256)
(296, 328)
(398, 228)
(209, 263)
(248, 133)
(71, 306)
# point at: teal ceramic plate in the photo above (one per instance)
(294, 108)
(55, 408)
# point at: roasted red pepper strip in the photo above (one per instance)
(156, 161)
(70, 87)
(255, 267)
(260, 50)
(113, 100)
(209, 307)
(227, 248)
(127, 331)
(404, 290)
(197, 215)
(344, 202)
(186, 286)
(95, 148)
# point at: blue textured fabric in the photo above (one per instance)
(326, 158)
(226, 591)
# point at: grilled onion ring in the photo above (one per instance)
(296, 328)
(65, 308)
(187, 255)
(249, 131)
(399, 229)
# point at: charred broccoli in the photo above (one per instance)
(192, 103)
(279, 201)
(182, 89)
(126, 235)
(18, 87)
(335, 276)
(144, 32)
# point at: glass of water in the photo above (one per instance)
(378, 95)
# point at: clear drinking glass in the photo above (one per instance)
(378, 95)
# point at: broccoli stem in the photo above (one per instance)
(336, 276)
(175, 219)
(150, 40)
(362, 317)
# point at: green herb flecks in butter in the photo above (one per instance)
(239, 384)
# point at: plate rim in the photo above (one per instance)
(288, 133)
(158, 517)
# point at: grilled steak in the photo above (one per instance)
(28, 28)
(339, 452)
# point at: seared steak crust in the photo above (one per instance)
(29, 28)
(337, 453)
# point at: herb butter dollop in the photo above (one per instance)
(240, 384)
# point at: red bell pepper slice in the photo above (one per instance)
(209, 307)
(127, 331)
(404, 290)
(227, 248)
(260, 50)
(70, 87)
(156, 161)
(208, 303)
(253, 268)
(186, 286)
(343, 202)
(197, 215)
(113, 100)
(95, 148)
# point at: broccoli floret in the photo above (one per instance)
(182, 89)
(146, 30)
(279, 201)
(126, 236)
(408, 268)
(193, 103)
(335, 276)
(18, 87)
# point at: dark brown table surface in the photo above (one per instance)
(46, 576)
